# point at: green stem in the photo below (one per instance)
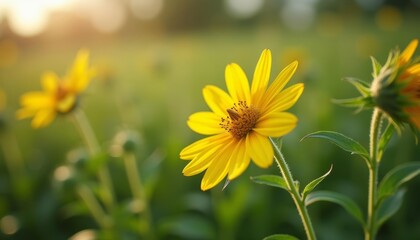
(370, 231)
(297, 198)
(86, 132)
(94, 207)
(139, 195)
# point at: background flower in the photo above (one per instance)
(59, 96)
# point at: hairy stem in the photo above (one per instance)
(297, 198)
(370, 231)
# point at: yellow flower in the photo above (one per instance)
(241, 122)
(410, 77)
(59, 96)
(396, 87)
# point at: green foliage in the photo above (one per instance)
(342, 141)
(347, 203)
(388, 207)
(385, 138)
(396, 177)
(281, 237)
(308, 188)
(271, 180)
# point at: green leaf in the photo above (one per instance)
(281, 237)
(342, 141)
(353, 102)
(308, 188)
(360, 85)
(348, 204)
(385, 138)
(389, 207)
(396, 177)
(271, 180)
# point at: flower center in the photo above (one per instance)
(66, 101)
(241, 119)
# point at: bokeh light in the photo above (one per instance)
(388, 18)
(298, 14)
(243, 9)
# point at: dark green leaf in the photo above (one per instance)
(396, 177)
(385, 138)
(280, 237)
(389, 207)
(342, 141)
(271, 180)
(308, 188)
(349, 205)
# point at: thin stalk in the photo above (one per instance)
(137, 189)
(86, 132)
(93, 205)
(297, 198)
(373, 174)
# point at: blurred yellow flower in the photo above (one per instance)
(59, 96)
(396, 87)
(241, 122)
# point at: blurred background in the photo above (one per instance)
(154, 57)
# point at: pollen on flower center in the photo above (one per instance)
(241, 119)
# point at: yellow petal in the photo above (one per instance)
(285, 99)
(239, 160)
(195, 148)
(281, 80)
(408, 52)
(42, 118)
(37, 100)
(276, 124)
(66, 104)
(260, 149)
(201, 161)
(218, 168)
(25, 113)
(206, 123)
(261, 76)
(237, 83)
(50, 82)
(217, 100)
(79, 76)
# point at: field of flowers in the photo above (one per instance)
(101, 160)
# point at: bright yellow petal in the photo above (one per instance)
(80, 74)
(239, 160)
(43, 118)
(276, 124)
(281, 80)
(237, 83)
(202, 161)
(50, 82)
(37, 100)
(218, 168)
(192, 150)
(206, 123)
(285, 99)
(408, 52)
(217, 100)
(261, 76)
(260, 149)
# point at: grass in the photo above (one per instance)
(154, 83)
